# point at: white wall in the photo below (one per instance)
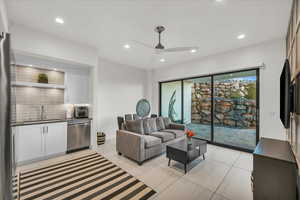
(3, 17)
(117, 88)
(271, 53)
(26, 40)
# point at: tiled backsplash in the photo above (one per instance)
(33, 112)
(30, 74)
(29, 102)
(39, 96)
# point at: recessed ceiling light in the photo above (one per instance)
(218, 0)
(59, 20)
(193, 51)
(162, 60)
(127, 46)
(241, 36)
(55, 69)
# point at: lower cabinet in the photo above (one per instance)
(29, 142)
(55, 138)
(275, 172)
(38, 141)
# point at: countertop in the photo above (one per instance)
(38, 122)
(27, 123)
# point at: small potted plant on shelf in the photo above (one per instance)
(189, 134)
(42, 78)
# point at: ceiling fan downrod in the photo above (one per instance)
(159, 30)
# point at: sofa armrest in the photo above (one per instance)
(131, 145)
(177, 126)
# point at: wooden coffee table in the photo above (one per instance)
(185, 153)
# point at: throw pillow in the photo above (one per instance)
(135, 126)
(146, 126)
(160, 123)
(149, 125)
(152, 124)
(167, 122)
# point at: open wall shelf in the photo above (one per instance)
(39, 85)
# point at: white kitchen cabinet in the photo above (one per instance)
(38, 141)
(55, 138)
(29, 143)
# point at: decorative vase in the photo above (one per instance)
(189, 140)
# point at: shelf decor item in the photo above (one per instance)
(143, 108)
(100, 138)
(42, 78)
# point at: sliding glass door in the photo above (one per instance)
(235, 109)
(197, 106)
(219, 108)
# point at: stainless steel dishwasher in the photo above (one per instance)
(79, 134)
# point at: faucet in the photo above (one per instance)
(42, 112)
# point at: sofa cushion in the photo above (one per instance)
(151, 141)
(177, 133)
(167, 122)
(160, 123)
(135, 126)
(149, 125)
(164, 136)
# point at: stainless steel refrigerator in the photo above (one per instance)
(6, 140)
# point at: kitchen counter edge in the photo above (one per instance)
(41, 122)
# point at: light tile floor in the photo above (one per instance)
(224, 175)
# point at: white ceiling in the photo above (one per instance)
(109, 24)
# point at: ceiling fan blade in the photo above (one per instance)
(143, 44)
(178, 49)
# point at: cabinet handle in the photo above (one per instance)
(47, 129)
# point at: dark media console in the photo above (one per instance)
(274, 175)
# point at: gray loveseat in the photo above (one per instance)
(145, 138)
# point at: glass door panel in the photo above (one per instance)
(235, 102)
(171, 101)
(197, 106)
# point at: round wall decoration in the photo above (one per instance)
(143, 108)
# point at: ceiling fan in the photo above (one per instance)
(159, 48)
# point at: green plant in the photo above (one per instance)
(43, 78)
(251, 91)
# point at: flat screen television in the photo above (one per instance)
(285, 97)
(297, 95)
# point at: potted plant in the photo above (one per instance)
(42, 78)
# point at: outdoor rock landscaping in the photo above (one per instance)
(234, 104)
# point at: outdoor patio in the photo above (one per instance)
(238, 137)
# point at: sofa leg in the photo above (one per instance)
(119, 154)
(140, 163)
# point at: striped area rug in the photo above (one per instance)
(89, 176)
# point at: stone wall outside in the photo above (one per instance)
(234, 104)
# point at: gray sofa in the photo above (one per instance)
(145, 138)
